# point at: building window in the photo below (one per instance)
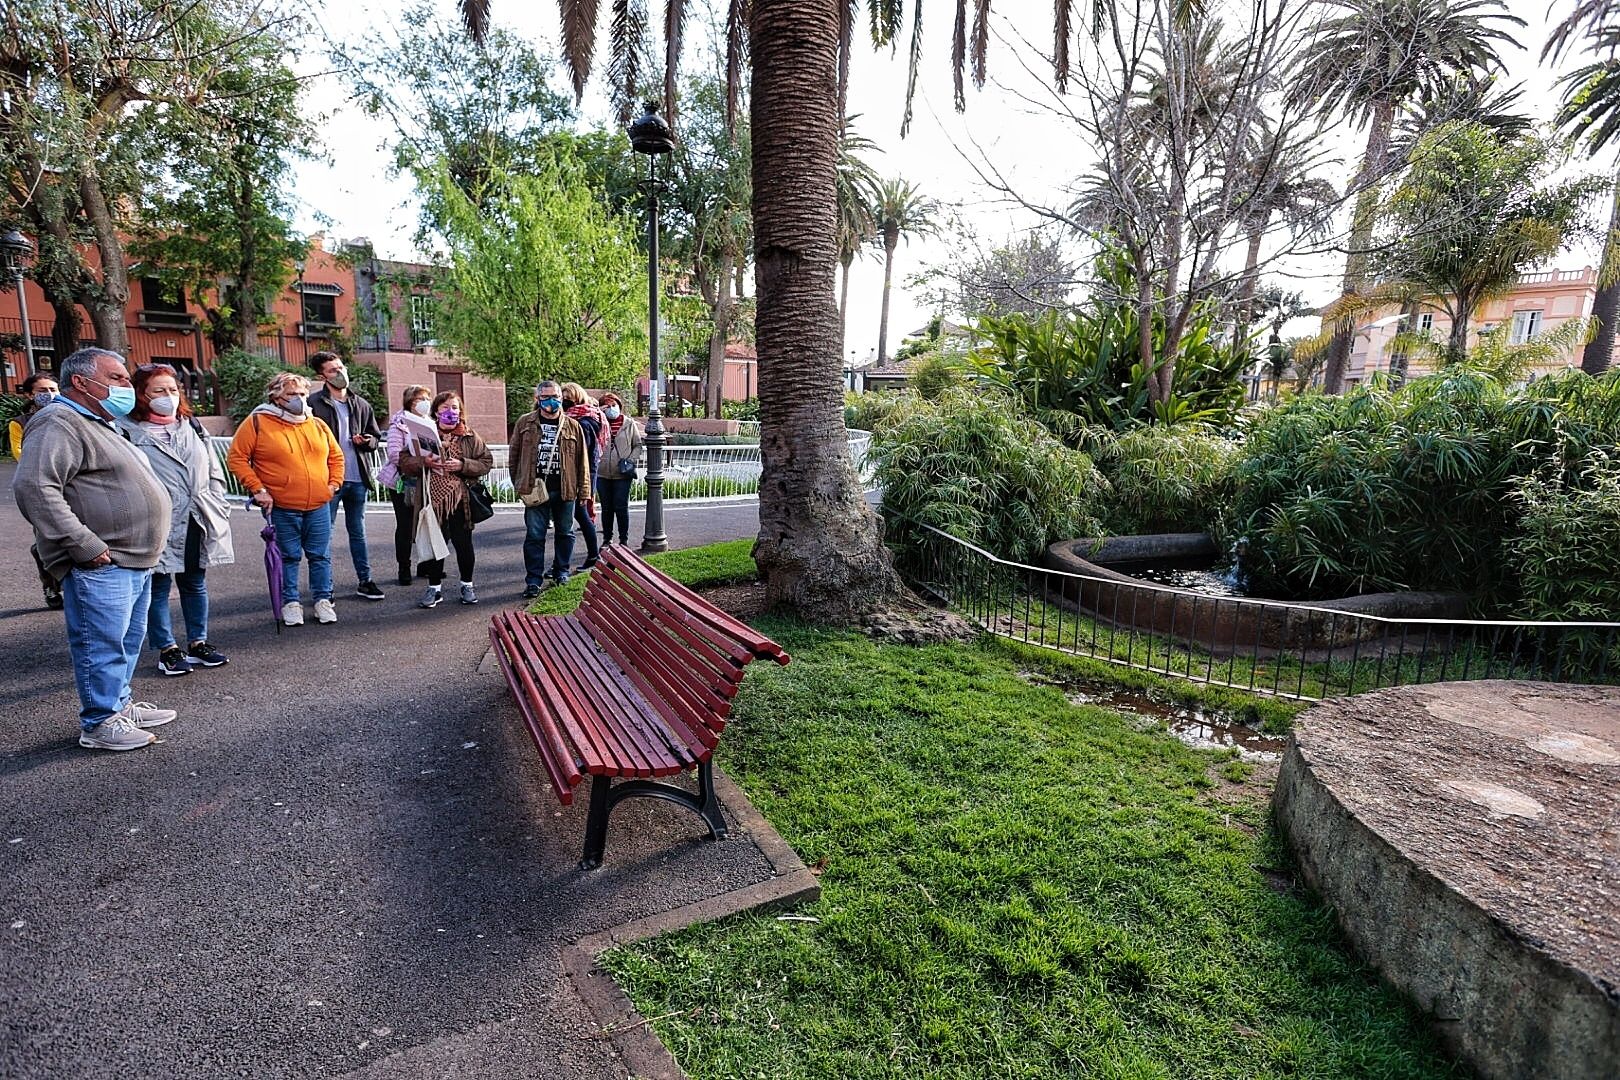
(320, 310)
(155, 298)
(421, 318)
(1425, 322)
(1526, 325)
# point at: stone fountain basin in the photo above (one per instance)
(1107, 591)
(1467, 835)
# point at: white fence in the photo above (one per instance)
(692, 471)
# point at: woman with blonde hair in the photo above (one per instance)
(292, 468)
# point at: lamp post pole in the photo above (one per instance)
(303, 315)
(650, 135)
(17, 250)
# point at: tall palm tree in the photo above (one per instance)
(858, 184)
(1371, 59)
(1591, 112)
(900, 212)
(1283, 188)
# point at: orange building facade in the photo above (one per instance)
(1541, 302)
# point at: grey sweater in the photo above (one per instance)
(86, 490)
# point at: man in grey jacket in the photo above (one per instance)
(100, 518)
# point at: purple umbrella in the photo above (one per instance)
(272, 567)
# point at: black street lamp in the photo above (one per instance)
(17, 253)
(303, 313)
(650, 135)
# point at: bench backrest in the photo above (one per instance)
(685, 655)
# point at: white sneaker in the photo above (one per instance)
(292, 614)
(117, 732)
(325, 612)
(147, 715)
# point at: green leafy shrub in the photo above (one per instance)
(936, 374)
(1166, 479)
(864, 412)
(975, 466)
(243, 376)
(1380, 489)
(1567, 549)
(740, 410)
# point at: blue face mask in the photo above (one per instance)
(120, 400)
(550, 404)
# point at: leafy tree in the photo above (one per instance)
(543, 280)
(219, 228)
(1472, 212)
(899, 212)
(1029, 275)
(81, 86)
(1370, 60)
(478, 111)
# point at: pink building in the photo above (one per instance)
(1541, 301)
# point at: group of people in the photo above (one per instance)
(128, 501)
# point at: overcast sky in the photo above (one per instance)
(351, 188)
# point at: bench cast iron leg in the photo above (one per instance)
(605, 796)
(596, 823)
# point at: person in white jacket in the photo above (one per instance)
(176, 445)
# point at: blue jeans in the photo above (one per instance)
(304, 534)
(351, 499)
(193, 606)
(105, 612)
(557, 513)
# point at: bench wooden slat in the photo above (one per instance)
(649, 643)
(554, 754)
(621, 594)
(604, 744)
(660, 689)
(761, 646)
(632, 719)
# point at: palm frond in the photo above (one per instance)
(578, 40)
(1061, 31)
(981, 41)
(475, 17)
(674, 28)
(886, 20)
(1589, 16)
(624, 60)
(912, 63)
(736, 54)
(959, 55)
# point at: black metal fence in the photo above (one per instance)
(1263, 646)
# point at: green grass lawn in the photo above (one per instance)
(1013, 886)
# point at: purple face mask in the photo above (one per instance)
(449, 417)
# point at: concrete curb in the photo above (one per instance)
(617, 1020)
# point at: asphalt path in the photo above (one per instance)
(341, 860)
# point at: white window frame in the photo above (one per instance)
(1526, 325)
(421, 317)
(1425, 322)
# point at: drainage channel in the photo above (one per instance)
(1204, 729)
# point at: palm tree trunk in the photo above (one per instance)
(820, 546)
(883, 323)
(843, 305)
(1401, 358)
(1606, 304)
(1373, 163)
(1251, 285)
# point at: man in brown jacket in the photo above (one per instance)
(101, 519)
(551, 471)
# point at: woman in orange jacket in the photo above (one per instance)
(292, 465)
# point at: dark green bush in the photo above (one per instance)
(974, 466)
(1166, 479)
(1567, 549)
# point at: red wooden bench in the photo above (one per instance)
(637, 683)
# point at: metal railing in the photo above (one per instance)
(691, 472)
(1269, 647)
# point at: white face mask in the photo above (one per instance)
(164, 404)
(421, 407)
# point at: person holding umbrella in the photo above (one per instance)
(161, 426)
(292, 467)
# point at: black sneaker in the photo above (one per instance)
(369, 590)
(173, 663)
(53, 597)
(531, 591)
(206, 655)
